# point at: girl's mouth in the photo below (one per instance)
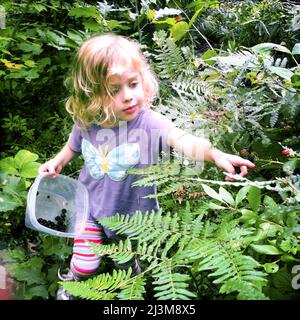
(131, 109)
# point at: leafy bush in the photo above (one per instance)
(34, 267)
(15, 173)
(228, 70)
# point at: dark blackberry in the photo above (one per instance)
(251, 157)
(237, 170)
(42, 221)
(59, 223)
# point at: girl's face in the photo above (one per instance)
(128, 94)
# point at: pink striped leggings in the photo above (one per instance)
(84, 262)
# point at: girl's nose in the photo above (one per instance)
(127, 94)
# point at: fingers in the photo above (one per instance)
(248, 163)
(241, 171)
(233, 164)
(50, 167)
(239, 162)
(51, 170)
(229, 179)
(58, 169)
(42, 168)
(227, 166)
(244, 171)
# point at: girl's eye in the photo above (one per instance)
(134, 84)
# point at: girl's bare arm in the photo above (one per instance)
(55, 165)
(201, 149)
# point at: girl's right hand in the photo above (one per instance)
(52, 166)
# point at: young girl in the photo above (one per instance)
(114, 130)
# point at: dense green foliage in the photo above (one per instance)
(228, 70)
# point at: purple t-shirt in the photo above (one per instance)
(108, 153)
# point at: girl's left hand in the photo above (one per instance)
(228, 162)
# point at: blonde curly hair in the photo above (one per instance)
(97, 59)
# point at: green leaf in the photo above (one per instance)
(208, 54)
(170, 21)
(29, 271)
(271, 204)
(14, 185)
(215, 206)
(234, 60)
(254, 198)
(25, 156)
(194, 17)
(179, 30)
(270, 230)
(290, 166)
(55, 38)
(241, 195)
(212, 193)
(248, 217)
(39, 7)
(29, 170)
(23, 74)
(267, 47)
(33, 48)
(296, 49)
(265, 249)
(30, 63)
(40, 291)
(8, 165)
(288, 258)
(271, 267)
(13, 255)
(114, 24)
(8, 202)
(282, 72)
(92, 25)
(55, 246)
(88, 12)
(226, 196)
(44, 62)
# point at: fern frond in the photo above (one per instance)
(121, 252)
(193, 88)
(134, 290)
(171, 188)
(156, 174)
(170, 285)
(169, 58)
(246, 290)
(197, 226)
(168, 241)
(145, 226)
(228, 263)
(274, 117)
(102, 287)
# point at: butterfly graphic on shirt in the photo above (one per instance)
(113, 163)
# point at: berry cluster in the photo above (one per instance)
(247, 154)
(59, 225)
